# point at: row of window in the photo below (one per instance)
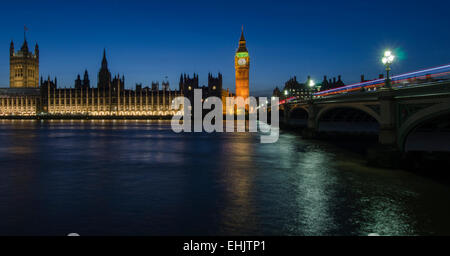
(53, 108)
(20, 72)
(106, 101)
(17, 101)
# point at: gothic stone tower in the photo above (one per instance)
(215, 85)
(104, 76)
(23, 67)
(188, 85)
(242, 65)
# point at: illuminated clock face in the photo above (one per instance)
(242, 62)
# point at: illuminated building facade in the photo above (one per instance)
(23, 67)
(110, 98)
(19, 101)
(110, 101)
(27, 97)
(292, 88)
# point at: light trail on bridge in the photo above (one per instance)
(399, 80)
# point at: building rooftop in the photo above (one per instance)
(19, 91)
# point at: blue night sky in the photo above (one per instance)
(147, 41)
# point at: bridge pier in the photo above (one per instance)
(286, 114)
(388, 123)
(310, 132)
(386, 153)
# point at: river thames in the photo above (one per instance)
(140, 178)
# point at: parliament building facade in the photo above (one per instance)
(29, 95)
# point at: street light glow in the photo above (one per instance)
(388, 58)
(312, 83)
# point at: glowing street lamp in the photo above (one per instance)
(311, 85)
(387, 60)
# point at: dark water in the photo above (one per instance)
(140, 178)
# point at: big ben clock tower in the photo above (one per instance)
(242, 65)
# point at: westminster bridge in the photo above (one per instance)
(394, 114)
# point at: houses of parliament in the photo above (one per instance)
(30, 95)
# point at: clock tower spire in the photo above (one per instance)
(242, 65)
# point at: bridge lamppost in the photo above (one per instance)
(387, 60)
(311, 85)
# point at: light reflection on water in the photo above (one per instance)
(140, 178)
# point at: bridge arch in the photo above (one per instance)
(362, 108)
(347, 118)
(420, 118)
(299, 113)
